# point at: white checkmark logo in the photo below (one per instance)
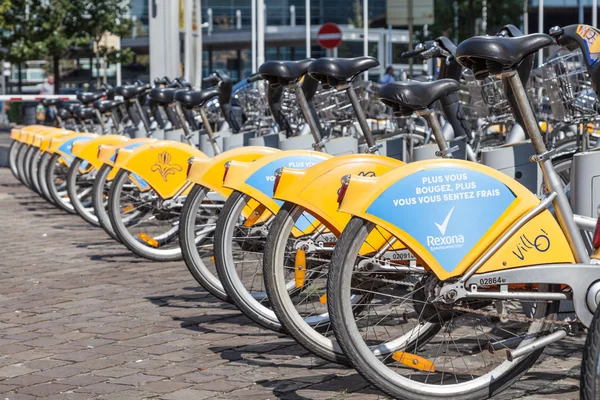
(444, 225)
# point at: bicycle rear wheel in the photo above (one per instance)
(141, 223)
(100, 192)
(80, 181)
(56, 181)
(590, 364)
(239, 245)
(12, 157)
(196, 236)
(303, 258)
(413, 347)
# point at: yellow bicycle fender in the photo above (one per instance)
(106, 153)
(15, 134)
(88, 150)
(209, 172)
(64, 145)
(448, 212)
(48, 139)
(316, 189)
(256, 179)
(161, 164)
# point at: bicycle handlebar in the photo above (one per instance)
(212, 79)
(412, 53)
(254, 78)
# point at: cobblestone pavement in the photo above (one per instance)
(82, 318)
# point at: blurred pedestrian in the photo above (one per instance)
(47, 88)
(388, 76)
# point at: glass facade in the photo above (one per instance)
(278, 11)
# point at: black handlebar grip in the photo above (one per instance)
(254, 78)
(212, 79)
(412, 53)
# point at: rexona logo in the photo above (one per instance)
(445, 241)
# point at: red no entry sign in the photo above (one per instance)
(329, 35)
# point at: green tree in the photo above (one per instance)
(499, 13)
(22, 36)
(97, 18)
(60, 37)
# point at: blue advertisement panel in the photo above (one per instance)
(447, 210)
(264, 178)
(67, 147)
(142, 183)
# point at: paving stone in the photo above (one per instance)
(189, 394)
(137, 379)
(81, 315)
(46, 389)
(10, 371)
(164, 386)
(101, 388)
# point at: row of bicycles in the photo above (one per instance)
(435, 235)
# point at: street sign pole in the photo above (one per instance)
(260, 33)
(188, 37)
(307, 23)
(253, 6)
(366, 33)
(410, 36)
(541, 29)
(199, 48)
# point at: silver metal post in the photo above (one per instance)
(564, 212)
(525, 17)
(199, 46)
(100, 120)
(209, 132)
(436, 129)
(115, 121)
(209, 14)
(143, 116)
(307, 27)
(181, 118)
(541, 29)
(188, 47)
(307, 113)
(293, 15)
(360, 116)
(366, 33)
(58, 118)
(253, 11)
(238, 19)
(260, 32)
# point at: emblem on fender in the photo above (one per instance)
(164, 167)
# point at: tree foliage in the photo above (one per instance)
(499, 13)
(35, 29)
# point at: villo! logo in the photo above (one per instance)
(164, 167)
(540, 243)
(445, 241)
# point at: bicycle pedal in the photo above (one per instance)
(414, 361)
